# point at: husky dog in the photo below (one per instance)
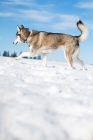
(46, 42)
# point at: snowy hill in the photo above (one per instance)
(51, 103)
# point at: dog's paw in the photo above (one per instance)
(16, 58)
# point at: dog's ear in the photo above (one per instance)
(18, 28)
(33, 32)
(27, 29)
(22, 26)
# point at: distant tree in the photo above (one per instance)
(8, 54)
(25, 57)
(14, 54)
(20, 53)
(39, 57)
(4, 53)
(34, 57)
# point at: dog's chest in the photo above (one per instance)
(30, 47)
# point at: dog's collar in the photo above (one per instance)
(28, 35)
(27, 39)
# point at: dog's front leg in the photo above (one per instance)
(25, 54)
(44, 59)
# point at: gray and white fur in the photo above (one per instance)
(47, 42)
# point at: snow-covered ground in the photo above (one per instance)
(45, 103)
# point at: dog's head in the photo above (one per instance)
(21, 35)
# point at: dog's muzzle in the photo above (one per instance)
(15, 43)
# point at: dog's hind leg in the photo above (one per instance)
(44, 59)
(24, 54)
(80, 62)
(69, 60)
(75, 58)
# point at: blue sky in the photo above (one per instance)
(50, 15)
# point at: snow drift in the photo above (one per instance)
(52, 103)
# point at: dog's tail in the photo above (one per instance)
(84, 31)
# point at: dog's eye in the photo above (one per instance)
(18, 35)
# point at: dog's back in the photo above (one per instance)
(45, 42)
(52, 40)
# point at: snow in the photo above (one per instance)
(45, 103)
